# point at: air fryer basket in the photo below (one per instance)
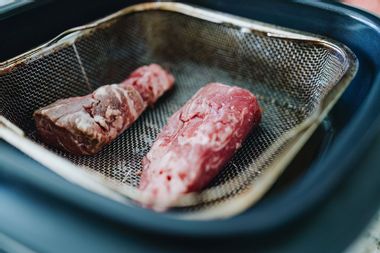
(297, 78)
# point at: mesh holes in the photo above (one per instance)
(289, 77)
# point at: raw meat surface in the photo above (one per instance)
(83, 125)
(150, 81)
(197, 142)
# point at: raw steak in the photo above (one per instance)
(197, 142)
(83, 125)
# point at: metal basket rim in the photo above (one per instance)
(300, 133)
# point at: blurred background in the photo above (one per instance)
(369, 242)
(368, 5)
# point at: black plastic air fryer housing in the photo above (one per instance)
(323, 201)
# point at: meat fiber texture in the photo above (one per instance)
(198, 140)
(84, 125)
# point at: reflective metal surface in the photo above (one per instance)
(297, 78)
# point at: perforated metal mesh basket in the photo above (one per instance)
(296, 77)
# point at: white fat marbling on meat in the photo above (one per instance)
(116, 91)
(55, 107)
(166, 182)
(101, 121)
(213, 162)
(118, 123)
(82, 120)
(101, 91)
(111, 112)
(131, 105)
(200, 138)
